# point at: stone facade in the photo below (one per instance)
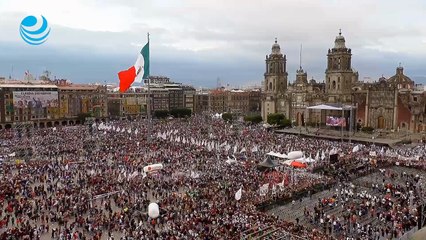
(391, 104)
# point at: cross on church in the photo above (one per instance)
(340, 32)
(275, 40)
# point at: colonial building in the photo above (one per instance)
(165, 95)
(221, 100)
(395, 103)
(46, 103)
(76, 99)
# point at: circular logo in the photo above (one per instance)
(34, 31)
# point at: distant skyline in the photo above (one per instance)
(197, 42)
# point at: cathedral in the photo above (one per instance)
(396, 103)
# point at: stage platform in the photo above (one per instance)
(336, 135)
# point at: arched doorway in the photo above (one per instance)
(71, 122)
(381, 122)
(8, 126)
(299, 119)
(42, 125)
(49, 124)
(77, 122)
(1, 126)
(64, 123)
(56, 123)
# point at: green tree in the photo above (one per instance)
(227, 116)
(180, 112)
(275, 118)
(253, 119)
(161, 113)
(367, 129)
(285, 122)
(82, 116)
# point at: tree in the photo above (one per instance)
(367, 129)
(275, 118)
(254, 119)
(180, 112)
(227, 116)
(82, 116)
(285, 122)
(161, 113)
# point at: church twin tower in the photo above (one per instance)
(339, 79)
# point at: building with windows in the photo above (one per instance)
(220, 100)
(165, 95)
(393, 103)
(47, 103)
(76, 99)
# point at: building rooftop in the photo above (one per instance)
(78, 87)
(20, 85)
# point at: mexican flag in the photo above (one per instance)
(136, 72)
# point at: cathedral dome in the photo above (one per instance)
(340, 41)
(400, 80)
(276, 49)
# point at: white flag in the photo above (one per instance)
(238, 194)
(355, 149)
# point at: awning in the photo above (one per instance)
(330, 107)
(267, 163)
(279, 155)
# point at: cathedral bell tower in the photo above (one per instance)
(339, 73)
(275, 83)
(275, 73)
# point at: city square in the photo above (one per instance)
(212, 119)
(88, 182)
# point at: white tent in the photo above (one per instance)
(295, 154)
(279, 155)
(329, 107)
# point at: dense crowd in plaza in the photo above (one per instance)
(383, 210)
(88, 182)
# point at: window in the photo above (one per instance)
(415, 99)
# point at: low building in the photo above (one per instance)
(76, 99)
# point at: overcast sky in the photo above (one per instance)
(199, 41)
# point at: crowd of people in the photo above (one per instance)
(88, 182)
(383, 207)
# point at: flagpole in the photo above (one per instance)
(149, 105)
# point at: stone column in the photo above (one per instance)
(395, 110)
(367, 108)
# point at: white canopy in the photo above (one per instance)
(329, 107)
(274, 154)
(295, 154)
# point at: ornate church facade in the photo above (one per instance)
(389, 104)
